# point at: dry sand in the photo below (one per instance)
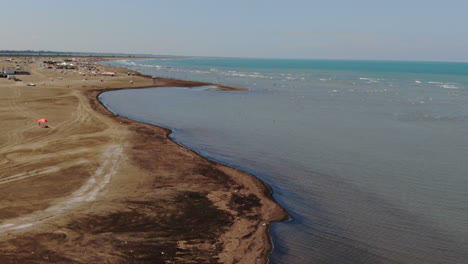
(97, 188)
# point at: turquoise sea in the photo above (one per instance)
(368, 157)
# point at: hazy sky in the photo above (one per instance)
(326, 29)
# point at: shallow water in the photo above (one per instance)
(369, 161)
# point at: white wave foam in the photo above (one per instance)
(150, 66)
(199, 72)
(245, 74)
(126, 62)
(370, 80)
(449, 86)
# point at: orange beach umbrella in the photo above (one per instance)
(42, 120)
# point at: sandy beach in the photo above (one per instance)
(93, 187)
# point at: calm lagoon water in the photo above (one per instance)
(368, 157)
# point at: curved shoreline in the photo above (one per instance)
(265, 189)
(95, 187)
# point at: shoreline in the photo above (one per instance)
(264, 188)
(238, 202)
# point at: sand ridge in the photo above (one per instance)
(98, 188)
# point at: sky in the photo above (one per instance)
(430, 30)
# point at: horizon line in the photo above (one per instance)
(64, 53)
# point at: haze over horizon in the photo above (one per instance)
(298, 29)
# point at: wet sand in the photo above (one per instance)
(98, 188)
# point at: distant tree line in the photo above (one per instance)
(31, 51)
(63, 53)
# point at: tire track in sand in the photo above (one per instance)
(15, 136)
(88, 191)
(17, 140)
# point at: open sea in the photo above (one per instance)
(370, 158)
